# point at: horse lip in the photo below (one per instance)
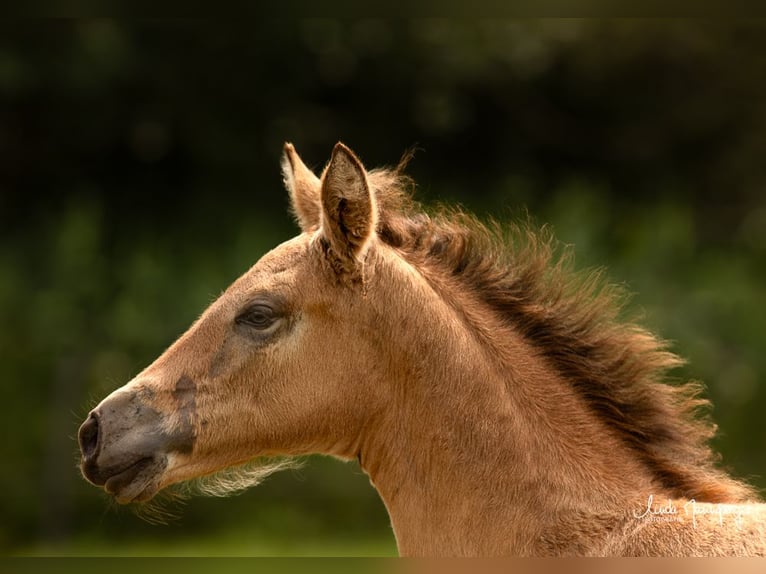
(91, 472)
(120, 481)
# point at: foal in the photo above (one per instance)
(492, 395)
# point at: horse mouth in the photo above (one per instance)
(138, 482)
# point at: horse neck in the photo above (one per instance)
(482, 448)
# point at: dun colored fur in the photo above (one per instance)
(498, 400)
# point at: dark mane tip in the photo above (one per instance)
(524, 275)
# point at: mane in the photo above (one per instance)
(575, 319)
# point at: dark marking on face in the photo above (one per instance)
(185, 396)
(146, 394)
(184, 386)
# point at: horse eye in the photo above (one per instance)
(259, 317)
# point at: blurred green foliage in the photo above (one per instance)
(140, 175)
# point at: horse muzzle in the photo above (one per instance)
(124, 446)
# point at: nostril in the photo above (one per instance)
(88, 437)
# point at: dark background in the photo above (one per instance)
(139, 175)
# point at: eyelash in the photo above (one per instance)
(261, 320)
(260, 317)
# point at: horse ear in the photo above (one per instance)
(349, 213)
(303, 187)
